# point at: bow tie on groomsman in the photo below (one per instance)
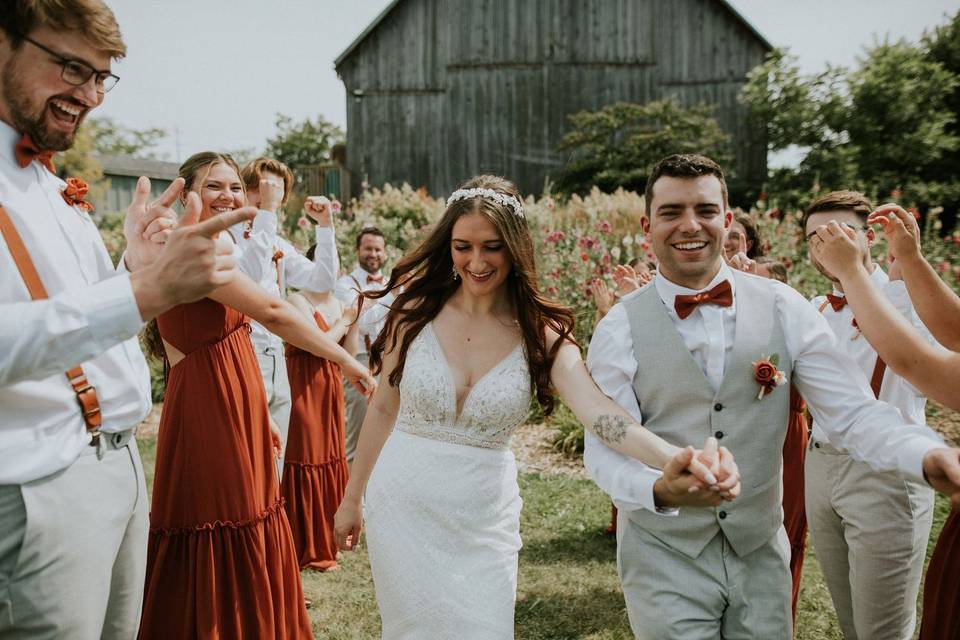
(721, 295)
(26, 152)
(836, 302)
(371, 279)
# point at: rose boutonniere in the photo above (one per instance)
(74, 193)
(767, 375)
(277, 255)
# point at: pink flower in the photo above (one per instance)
(549, 203)
(335, 206)
(584, 257)
(303, 223)
(603, 226)
(943, 267)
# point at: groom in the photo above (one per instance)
(682, 354)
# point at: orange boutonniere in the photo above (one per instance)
(277, 255)
(767, 375)
(74, 193)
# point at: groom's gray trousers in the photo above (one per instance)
(716, 595)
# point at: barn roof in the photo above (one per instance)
(393, 4)
(124, 165)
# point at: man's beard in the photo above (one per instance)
(371, 266)
(45, 140)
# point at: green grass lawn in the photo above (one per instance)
(568, 585)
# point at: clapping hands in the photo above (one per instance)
(704, 478)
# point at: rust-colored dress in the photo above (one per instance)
(220, 559)
(794, 512)
(941, 591)
(315, 463)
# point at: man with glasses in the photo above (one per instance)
(73, 382)
(869, 528)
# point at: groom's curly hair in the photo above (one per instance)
(429, 284)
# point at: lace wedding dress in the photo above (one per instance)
(442, 506)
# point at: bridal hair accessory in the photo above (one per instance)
(767, 375)
(496, 196)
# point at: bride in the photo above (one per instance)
(465, 344)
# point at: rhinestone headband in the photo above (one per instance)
(496, 196)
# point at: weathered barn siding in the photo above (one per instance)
(439, 90)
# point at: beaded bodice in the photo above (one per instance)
(494, 407)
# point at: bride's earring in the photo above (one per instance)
(456, 276)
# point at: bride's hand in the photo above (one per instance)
(722, 467)
(348, 524)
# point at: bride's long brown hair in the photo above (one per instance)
(430, 283)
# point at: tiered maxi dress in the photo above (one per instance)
(220, 560)
(315, 464)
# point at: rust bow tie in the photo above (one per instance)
(26, 152)
(378, 279)
(836, 302)
(721, 295)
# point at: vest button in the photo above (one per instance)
(723, 515)
(718, 407)
(718, 435)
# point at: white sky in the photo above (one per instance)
(215, 72)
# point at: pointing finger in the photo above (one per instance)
(191, 210)
(139, 203)
(215, 224)
(170, 194)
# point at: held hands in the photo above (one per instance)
(941, 467)
(900, 229)
(834, 246)
(704, 478)
(348, 524)
(317, 208)
(271, 194)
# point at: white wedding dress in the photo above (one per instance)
(442, 506)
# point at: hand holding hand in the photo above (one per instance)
(602, 296)
(900, 229)
(348, 524)
(147, 226)
(318, 210)
(942, 470)
(271, 194)
(687, 478)
(834, 247)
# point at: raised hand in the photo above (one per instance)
(900, 229)
(191, 263)
(602, 296)
(271, 194)
(147, 226)
(348, 525)
(626, 279)
(317, 208)
(835, 248)
(740, 261)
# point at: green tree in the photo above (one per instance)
(618, 145)
(300, 144)
(111, 138)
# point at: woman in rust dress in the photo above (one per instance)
(220, 559)
(315, 464)
(941, 590)
(794, 509)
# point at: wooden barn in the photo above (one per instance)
(439, 90)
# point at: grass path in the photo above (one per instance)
(568, 587)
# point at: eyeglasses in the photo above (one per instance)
(842, 224)
(79, 73)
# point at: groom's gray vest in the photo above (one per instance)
(678, 404)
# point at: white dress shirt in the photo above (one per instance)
(832, 384)
(255, 258)
(373, 318)
(894, 390)
(91, 318)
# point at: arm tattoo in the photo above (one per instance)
(611, 428)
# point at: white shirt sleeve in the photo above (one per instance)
(256, 251)
(610, 360)
(43, 337)
(319, 275)
(838, 394)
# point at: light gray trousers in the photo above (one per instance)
(716, 595)
(870, 532)
(73, 549)
(273, 368)
(355, 411)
